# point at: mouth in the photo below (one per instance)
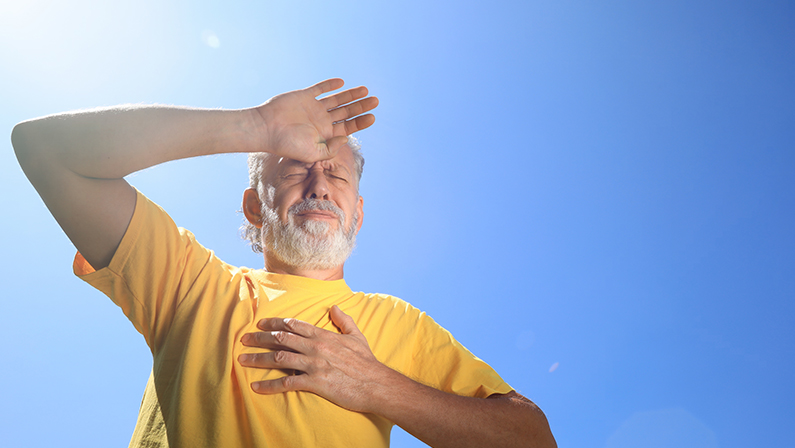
(317, 210)
(318, 214)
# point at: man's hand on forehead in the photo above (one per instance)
(298, 126)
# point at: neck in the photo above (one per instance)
(273, 264)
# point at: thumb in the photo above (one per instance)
(324, 151)
(344, 322)
(334, 144)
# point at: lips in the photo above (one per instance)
(317, 209)
(317, 214)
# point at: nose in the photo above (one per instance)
(317, 187)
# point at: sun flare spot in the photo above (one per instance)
(210, 39)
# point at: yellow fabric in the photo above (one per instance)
(192, 309)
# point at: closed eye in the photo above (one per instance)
(295, 174)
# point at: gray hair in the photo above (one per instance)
(258, 161)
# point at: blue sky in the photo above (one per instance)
(595, 198)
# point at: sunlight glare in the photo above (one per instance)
(210, 39)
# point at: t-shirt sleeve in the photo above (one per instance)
(439, 361)
(152, 270)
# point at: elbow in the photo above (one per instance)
(527, 425)
(536, 424)
(543, 434)
(26, 138)
(535, 429)
(21, 141)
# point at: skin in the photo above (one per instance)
(77, 161)
(340, 366)
(332, 179)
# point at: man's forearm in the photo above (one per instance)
(114, 142)
(445, 420)
(77, 161)
(342, 369)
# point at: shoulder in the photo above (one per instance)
(389, 313)
(389, 303)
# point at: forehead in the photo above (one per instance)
(342, 160)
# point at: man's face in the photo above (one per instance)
(311, 211)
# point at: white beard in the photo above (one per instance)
(310, 245)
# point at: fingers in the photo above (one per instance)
(280, 334)
(354, 125)
(284, 384)
(344, 97)
(351, 110)
(279, 359)
(344, 322)
(325, 86)
(277, 340)
(345, 110)
(292, 325)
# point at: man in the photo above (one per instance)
(286, 356)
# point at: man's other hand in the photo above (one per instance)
(299, 126)
(339, 367)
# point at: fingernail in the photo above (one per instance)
(255, 386)
(242, 358)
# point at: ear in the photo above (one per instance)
(360, 211)
(252, 207)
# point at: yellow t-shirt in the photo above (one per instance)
(193, 308)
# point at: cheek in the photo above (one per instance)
(351, 212)
(280, 202)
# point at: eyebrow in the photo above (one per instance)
(333, 166)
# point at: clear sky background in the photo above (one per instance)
(597, 198)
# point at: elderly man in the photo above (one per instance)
(287, 356)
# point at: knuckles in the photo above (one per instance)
(289, 324)
(299, 327)
(264, 324)
(280, 336)
(280, 357)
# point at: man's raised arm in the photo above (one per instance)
(77, 161)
